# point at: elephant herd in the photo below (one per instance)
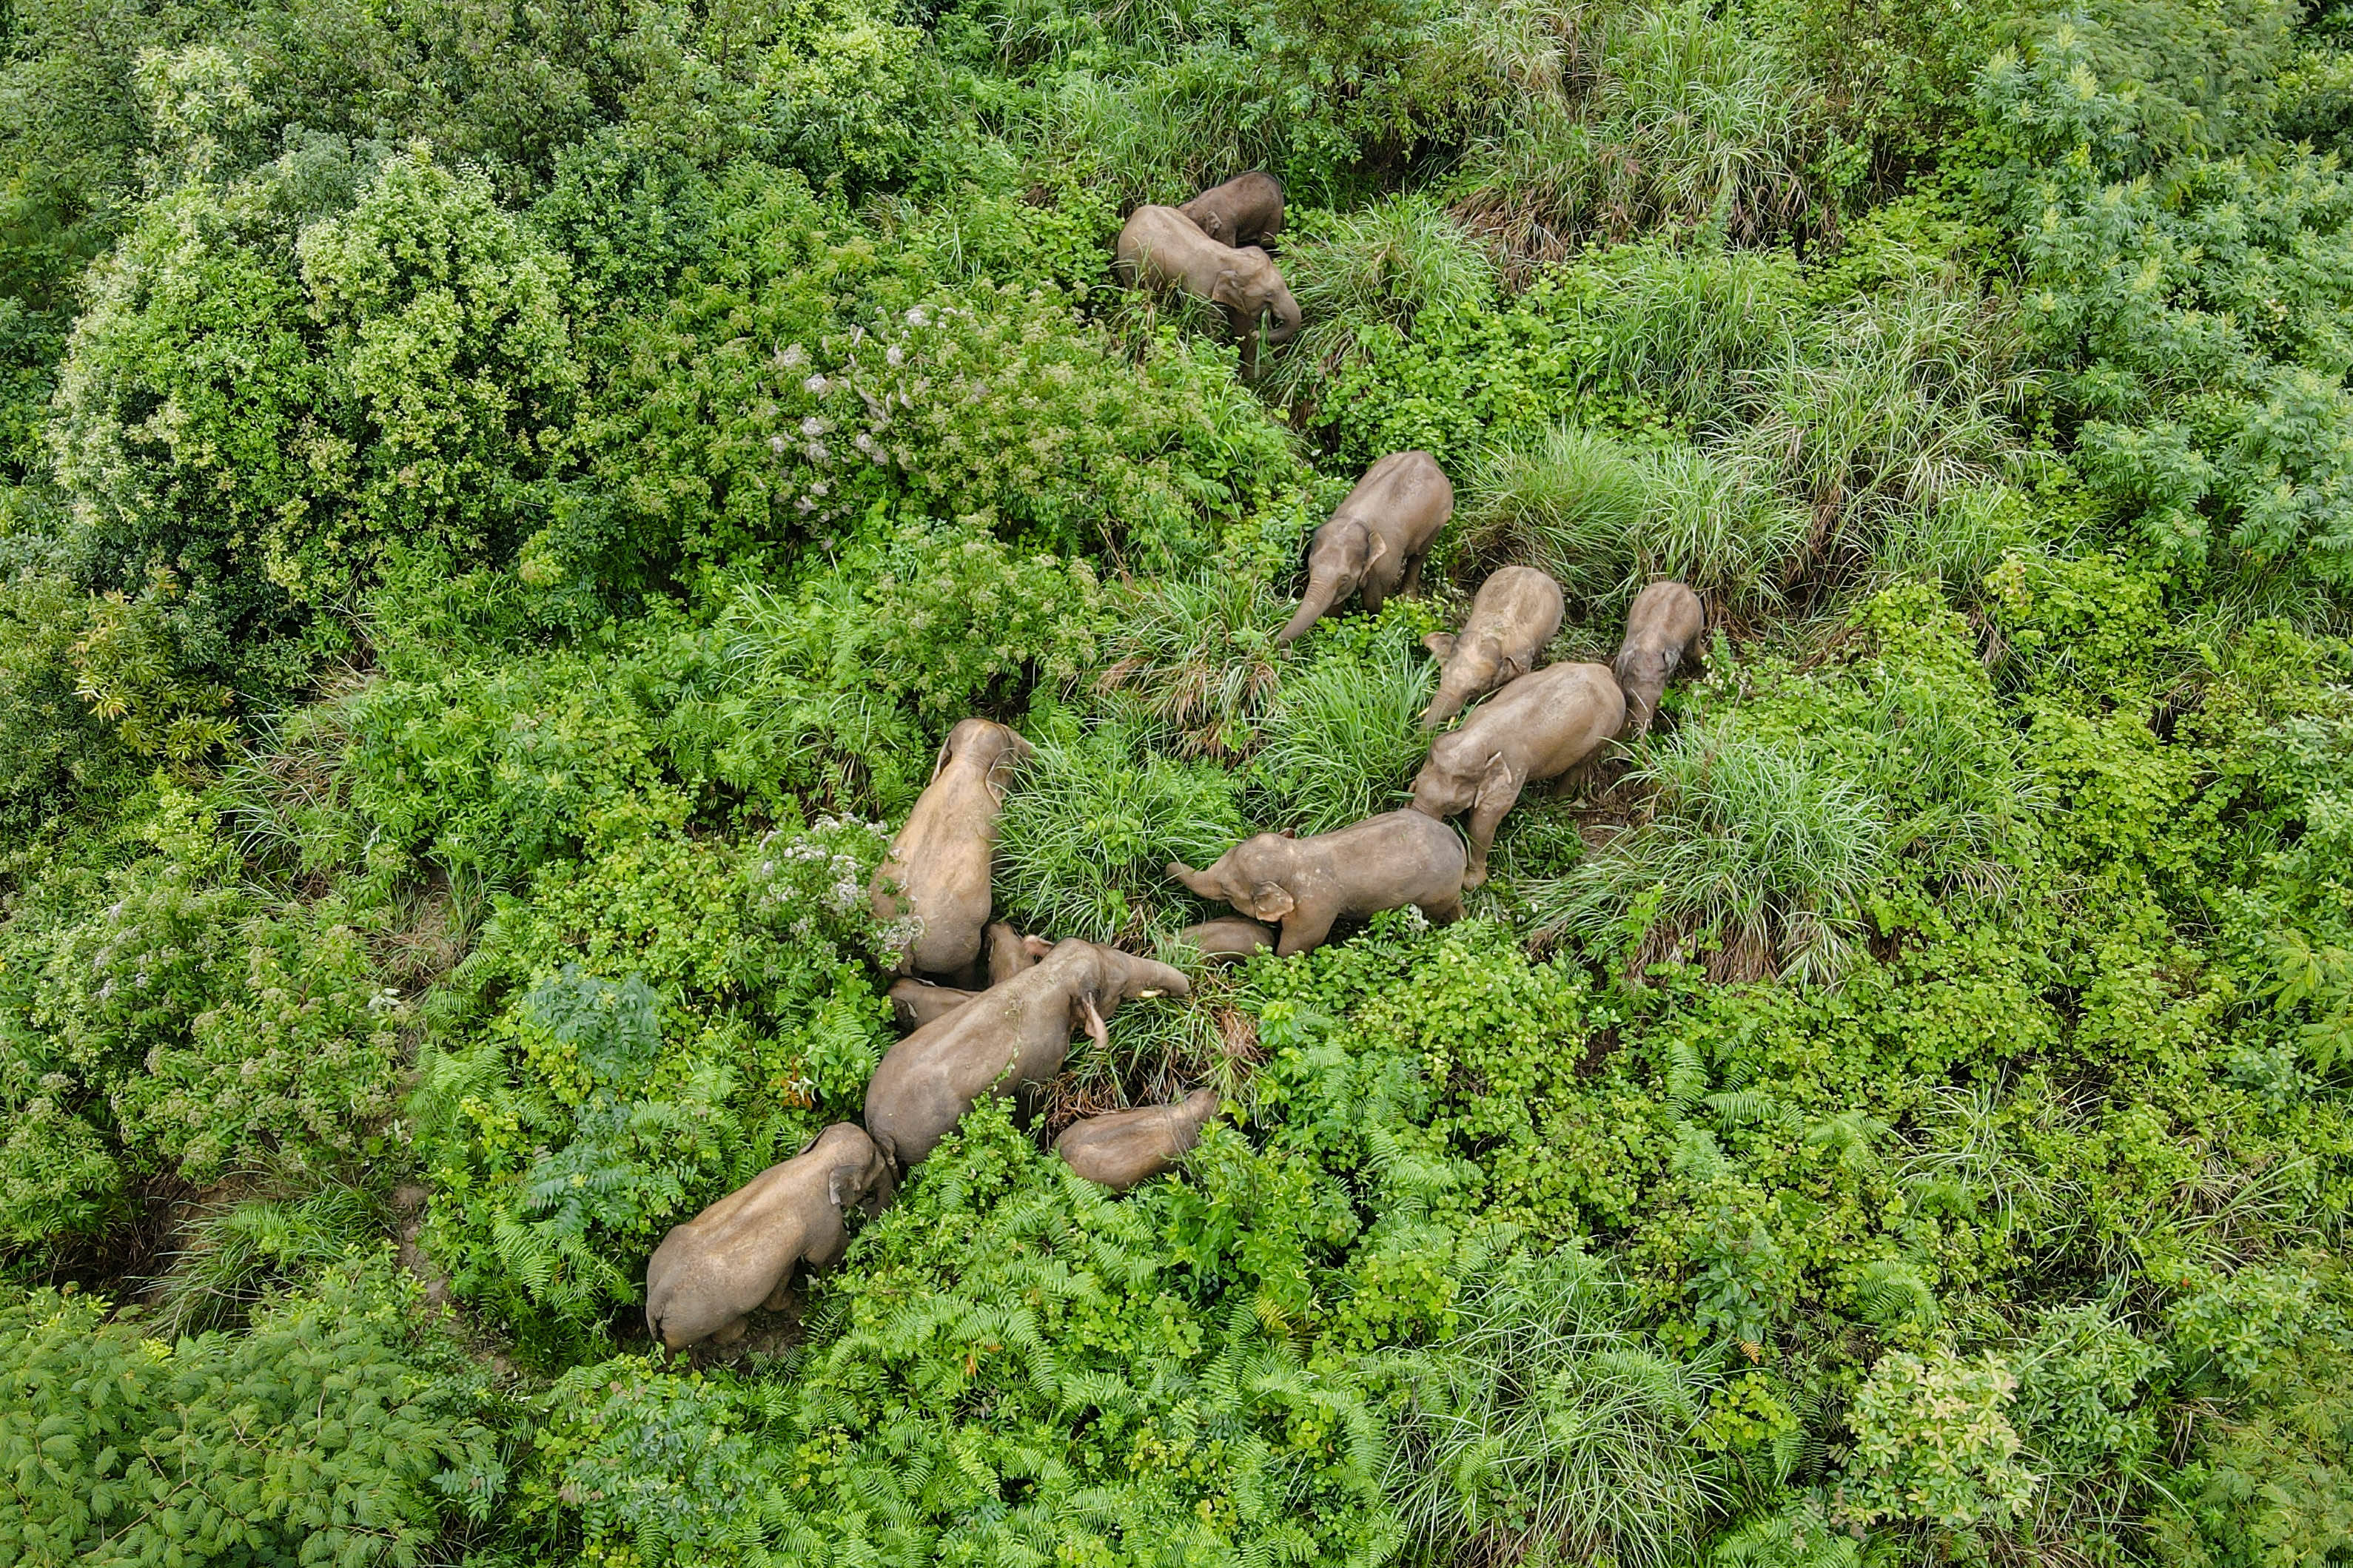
(1014, 1032)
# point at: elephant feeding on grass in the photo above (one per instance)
(1662, 629)
(938, 867)
(1538, 727)
(1122, 1148)
(1383, 862)
(710, 1272)
(1516, 613)
(1008, 1037)
(1377, 540)
(1162, 248)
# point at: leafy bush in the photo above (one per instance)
(321, 1432)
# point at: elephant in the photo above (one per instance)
(1515, 614)
(1162, 248)
(1229, 939)
(938, 867)
(1538, 727)
(1662, 629)
(1008, 1037)
(1383, 862)
(1377, 540)
(915, 1003)
(1123, 1148)
(1245, 210)
(708, 1273)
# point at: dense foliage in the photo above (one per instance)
(499, 505)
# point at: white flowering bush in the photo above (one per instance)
(1934, 1445)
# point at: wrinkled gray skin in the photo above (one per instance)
(1162, 248)
(1376, 542)
(1516, 613)
(1229, 939)
(740, 1252)
(1008, 1037)
(1124, 1147)
(939, 865)
(1383, 862)
(1662, 629)
(1538, 727)
(915, 1003)
(1245, 210)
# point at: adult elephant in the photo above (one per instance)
(1162, 248)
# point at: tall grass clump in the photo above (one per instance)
(1343, 738)
(1190, 662)
(1384, 264)
(1088, 826)
(1604, 518)
(1688, 124)
(232, 1258)
(1547, 1428)
(1754, 860)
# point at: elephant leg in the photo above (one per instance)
(781, 1296)
(1444, 914)
(1372, 595)
(1412, 583)
(1304, 927)
(1485, 817)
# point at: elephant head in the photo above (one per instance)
(1254, 876)
(1122, 977)
(1250, 289)
(861, 1177)
(1466, 670)
(1462, 773)
(985, 746)
(1341, 552)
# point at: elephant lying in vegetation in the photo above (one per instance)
(1231, 938)
(1538, 727)
(1009, 1036)
(1162, 248)
(1377, 540)
(938, 867)
(1245, 210)
(915, 1003)
(1383, 862)
(1124, 1147)
(1516, 613)
(1662, 629)
(708, 1273)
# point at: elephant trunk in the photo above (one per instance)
(1286, 320)
(1322, 594)
(1452, 695)
(1641, 706)
(1198, 881)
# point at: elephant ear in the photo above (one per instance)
(841, 1186)
(1495, 781)
(1440, 645)
(1227, 290)
(940, 762)
(1271, 901)
(1086, 1016)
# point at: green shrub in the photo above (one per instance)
(1343, 737)
(319, 1434)
(1933, 1443)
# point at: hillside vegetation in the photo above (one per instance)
(503, 502)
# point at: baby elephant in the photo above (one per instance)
(915, 1003)
(1009, 1037)
(1377, 540)
(1662, 629)
(939, 865)
(1162, 248)
(1383, 862)
(740, 1252)
(1538, 727)
(1125, 1147)
(1515, 614)
(1229, 939)
(1245, 210)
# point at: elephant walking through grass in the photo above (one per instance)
(1383, 862)
(1377, 540)
(1539, 726)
